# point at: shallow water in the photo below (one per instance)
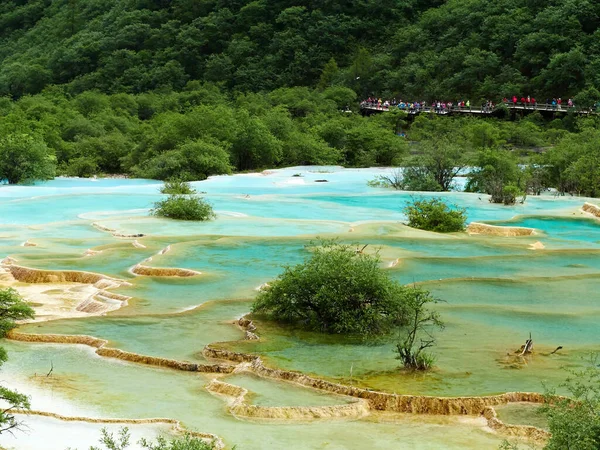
(522, 414)
(495, 290)
(124, 390)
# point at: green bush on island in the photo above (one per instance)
(338, 289)
(184, 207)
(435, 215)
(12, 308)
(176, 186)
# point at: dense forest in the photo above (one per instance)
(431, 48)
(190, 88)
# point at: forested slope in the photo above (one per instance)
(412, 48)
(192, 88)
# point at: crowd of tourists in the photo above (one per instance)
(442, 107)
(529, 101)
(439, 106)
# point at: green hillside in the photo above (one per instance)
(413, 48)
(192, 88)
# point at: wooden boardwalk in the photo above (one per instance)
(517, 108)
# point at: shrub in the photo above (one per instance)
(177, 186)
(435, 215)
(574, 422)
(184, 207)
(123, 440)
(338, 289)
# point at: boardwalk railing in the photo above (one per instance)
(478, 109)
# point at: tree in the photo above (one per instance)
(338, 289)
(411, 345)
(498, 174)
(574, 422)
(12, 308)
(368, 144)
(441, 160)
(25, 158)
(329, 74)
(435, 215)
(411, 178)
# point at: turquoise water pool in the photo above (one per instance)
(496, 291)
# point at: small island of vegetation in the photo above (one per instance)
(182, 203)
(340, 289)
(435, 215)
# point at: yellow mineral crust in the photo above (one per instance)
(140, 269)
(102, 350)
(520, 431)
(494, 230)
(59, 294)
(240, 407)
(592, 209)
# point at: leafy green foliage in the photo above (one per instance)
(573, 166)
(434, 169)
(12, 308)
(188, 89)
(184, 207)
(338, 289)
(417, 335)
(123, 438)
(418, 178)
(498, 174)
(25, 158)
(435, 215)
(486, 49)
(574, 422)
(187, 442)
(177, 187)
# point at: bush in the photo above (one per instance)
(176, 186)
(435, 215)
(123, 440)
(338, 289)
(575, 422)
(183, 207)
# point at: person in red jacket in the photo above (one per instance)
(514, 99)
